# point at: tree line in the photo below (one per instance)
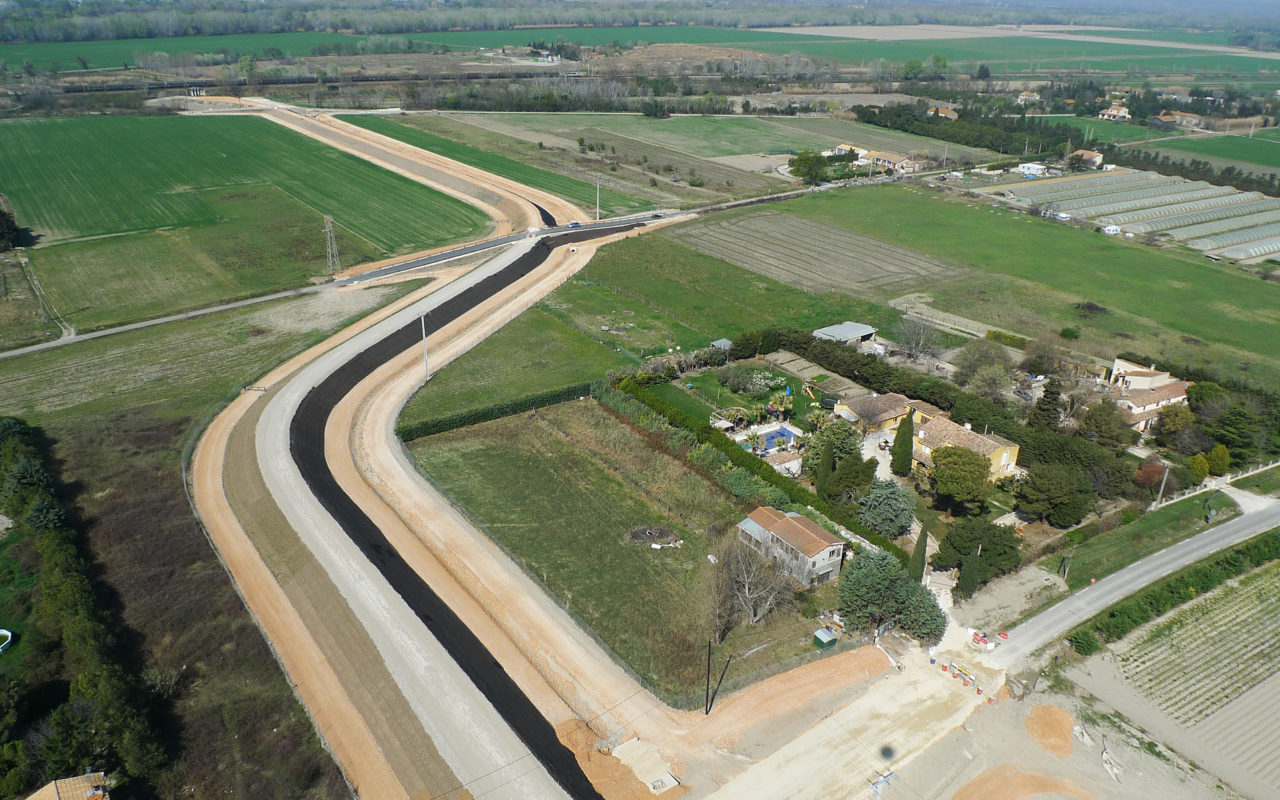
(76, 705)
(1192, 169)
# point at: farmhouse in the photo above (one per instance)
(1140, 392)
(1028, 97)
(942, 432)
(945, 113)
(1185, 119)
(1091, 158)
(875, 412)
(722, 344)
(800, 547)
(893, 161)
(851, 333)
(1032, 170)
(1117, 113)
(846, 149)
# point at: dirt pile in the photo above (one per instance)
(1007, 782)
(610, 776)
(1050, 726)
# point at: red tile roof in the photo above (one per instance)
(801, 533)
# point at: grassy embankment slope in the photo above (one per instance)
(141, 216)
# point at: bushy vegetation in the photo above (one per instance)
(102, 719)
(1192, 169)
(1172, 592)
(982, 550)
(875, 589)
(474, 416)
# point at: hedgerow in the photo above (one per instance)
(475, 416)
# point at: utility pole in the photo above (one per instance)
(1163, 478)
(331, 246)
(597, 201)
(1066, 569)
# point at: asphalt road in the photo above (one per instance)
(491, 735)
(1057, 620)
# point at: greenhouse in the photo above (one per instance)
(1091, 181)
(1197, 217)
(1224, 225)
(1235, 238)
(1135, 194)
(1159, 202)
(1255, 250)
(1073, 192)
(1180, 208)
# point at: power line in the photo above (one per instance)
(331, 246)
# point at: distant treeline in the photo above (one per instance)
(43, 21)
(974, 128)
(557, 94)
(1192, 168)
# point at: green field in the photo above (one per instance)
(119, 52)
(535, 352)
(607, 35)
(21, 322)
(580, 192)
(1096, 130)
(1114, 550)
(709, 137)
(1180, 36)
(181, 212)
(560, 490)
(146, 170)
(1260, 154)
(1179, 293)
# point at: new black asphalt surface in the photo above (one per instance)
(306, 445)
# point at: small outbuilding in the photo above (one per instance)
(852, 333)
(723, 344)
(824, 639)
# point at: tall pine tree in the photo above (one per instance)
(1047, 412)
(900, 453)
(915, 567)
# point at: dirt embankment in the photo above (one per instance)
(1051, 726)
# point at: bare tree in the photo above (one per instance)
(744, 586)
(917, 339)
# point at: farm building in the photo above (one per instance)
(1185, 119)
(851, 333)
(1091, 158)
(942, 432)
(945, 113)
(898, 163)
(800, 547)
(874, 412)
(1028, 97)
(1117, 113)
(1140, 392)
(1032, 169)
(722, 344)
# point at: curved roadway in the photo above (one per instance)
(484, 726)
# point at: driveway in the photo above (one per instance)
(871, 449)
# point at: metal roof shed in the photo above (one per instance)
(846, 332)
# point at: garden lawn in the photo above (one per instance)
(536, 352)
(1265, 482)
(681, 398)
(1109, 552)
(1180, 293)
(560, 491)
(580, 192)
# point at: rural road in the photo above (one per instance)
(1260, 515)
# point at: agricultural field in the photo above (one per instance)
(1195, 312)
(1210, 666)
(21, 321)
(1178, 35)
(111, 53)
(649, 607)
(1094, 131)
(715, 136)
(181, 212)
(581, 192)
(765, 242)
(1108, 552)
(120, 412)
(607, 35)
(1260, 154)
(536, 352)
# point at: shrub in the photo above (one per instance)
(474, 416)
(1084, 641)
(1007, 338)
(1219, 460)
(1069, 333)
